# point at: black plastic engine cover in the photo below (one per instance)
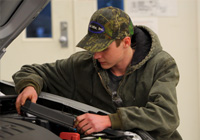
(13, 129)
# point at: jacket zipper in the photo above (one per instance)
(119, 101)
(104, 84)
(120, 84)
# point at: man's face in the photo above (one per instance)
(110, 57)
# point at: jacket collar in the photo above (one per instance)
(147, 45)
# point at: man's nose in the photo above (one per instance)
(97, 55)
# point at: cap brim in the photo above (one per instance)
(93, 43)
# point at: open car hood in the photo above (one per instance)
(15, 16)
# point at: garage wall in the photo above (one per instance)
(198, 38)
(180, 38)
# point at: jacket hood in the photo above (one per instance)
(146, 45)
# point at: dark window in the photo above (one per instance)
(115, 3)
(41, 26)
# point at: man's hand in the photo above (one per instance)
(90, 123)
(28, 93)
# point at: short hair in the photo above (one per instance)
(118, 42)
(133, 44)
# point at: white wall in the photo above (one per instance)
(183, 43)
(198, 38)
(179, 37)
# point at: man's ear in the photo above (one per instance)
(127, 41)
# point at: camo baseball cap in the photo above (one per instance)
(106, 25)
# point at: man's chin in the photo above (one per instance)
(104, 66)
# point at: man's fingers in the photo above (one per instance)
(85, 128)
(89, 131)
(18, 104)
(27, 93)
(80, 124)
(76, 122)
(83, 125)
(90, 123)
(24, 97)
(34, 99)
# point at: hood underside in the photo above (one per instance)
(15, 16)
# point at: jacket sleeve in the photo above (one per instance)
(160, 114)
(50, 77)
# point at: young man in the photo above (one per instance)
(124, 71)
